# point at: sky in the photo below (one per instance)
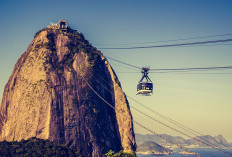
(200, 100)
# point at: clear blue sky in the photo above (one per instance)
(200, 101)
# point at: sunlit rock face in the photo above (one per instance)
(48, 96)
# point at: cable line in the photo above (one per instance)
(171, 121)
(125, 66)
(153, 132)
(124, 63)
(180, 39)
(176, 69)
(189, 130)
(198, 139)
(160, 115)
(185, 72)
(204, 68)
(206, 143)
(168, 45)
(176, 73)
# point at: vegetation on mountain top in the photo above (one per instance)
(79, 43)
(76, 44)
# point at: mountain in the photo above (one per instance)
(219, 140)
(222, 140)
(230, 144)
(58, 91)
(152, 148)
(147, 137)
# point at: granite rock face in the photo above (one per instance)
(49, 96)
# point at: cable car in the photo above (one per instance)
(145, 87)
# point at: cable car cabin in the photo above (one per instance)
(145, 88)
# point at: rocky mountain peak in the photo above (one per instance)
(52, 94)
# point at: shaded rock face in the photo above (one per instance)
(48, 97)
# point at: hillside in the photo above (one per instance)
(217, 141)
(142, 138)
(58, 91)
(152, 148)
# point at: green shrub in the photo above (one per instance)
(79, 43)
(35, 147)
(119, 154)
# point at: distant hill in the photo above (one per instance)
(152, 148)
(222, 140)
(217, 140)
(35, 147)
(140, 138)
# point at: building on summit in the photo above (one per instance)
(62, 24)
